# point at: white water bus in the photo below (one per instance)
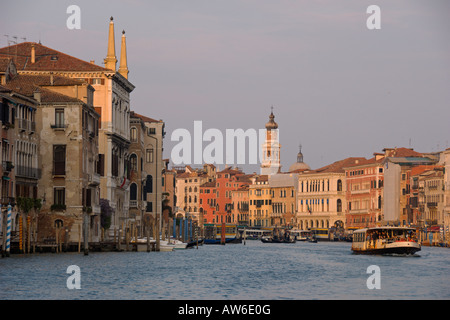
(385, 240)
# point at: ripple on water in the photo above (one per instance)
(253, 271)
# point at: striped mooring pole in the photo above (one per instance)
(8, 231)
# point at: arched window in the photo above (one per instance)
(339, 185)
(339, 205)
(133, 162)
(59, 223)
(133, 192)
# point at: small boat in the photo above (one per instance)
(312, 239)
(386, 240)
(194, 243)
(301, 235)
(164, 245)
(213, 234)
(275, 239)
(177, 244)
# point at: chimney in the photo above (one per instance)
(37, 95)
(92, 61)
(33, 53)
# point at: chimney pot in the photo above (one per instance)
(33, 53)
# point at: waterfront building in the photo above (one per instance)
(364, 193)
(208, 202)
(137, 204)
(228, 180)
(446, 155)
(284, 190)
(69, 181)
(415, 204)
(398, 163)
(111, 99)
(240, 206)
(321, 195)
(260, 197)
(152, 133)
(168, 192)
(188, 191)
(18, 169)
(431, 196)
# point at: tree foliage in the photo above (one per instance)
(105, 214)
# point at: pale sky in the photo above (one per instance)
(337, 87)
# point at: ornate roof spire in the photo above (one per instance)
(271, 124)
(123, 68)
(111, 60)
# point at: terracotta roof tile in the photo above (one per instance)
(144, 118)
(339, 166)
(46, 59)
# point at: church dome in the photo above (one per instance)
(299, 165)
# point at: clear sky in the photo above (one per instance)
(337, 87)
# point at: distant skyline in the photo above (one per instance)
(338, 88)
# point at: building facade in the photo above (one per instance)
(260, 198)
(364, 193)
(111, 99)
(321, 195)
(284, 191)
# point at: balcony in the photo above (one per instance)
(361, 191)
(28, 172)
(432, 204)
(22, 124)
(58, 126)
(94, 179)
(133, 203)
(7, 166)
(8, 200)
(96, 209)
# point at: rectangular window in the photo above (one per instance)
(60, 196)
(133, 134)
(59, 118)
(149, 155)
(59, 159)
(115, 165)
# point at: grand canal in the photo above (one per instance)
(254, 271)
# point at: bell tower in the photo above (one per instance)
(270, 163)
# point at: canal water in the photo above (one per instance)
(254, 271)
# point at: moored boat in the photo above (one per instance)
(279, 236)
(385, 240)
(301, 235)
(221, 234)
